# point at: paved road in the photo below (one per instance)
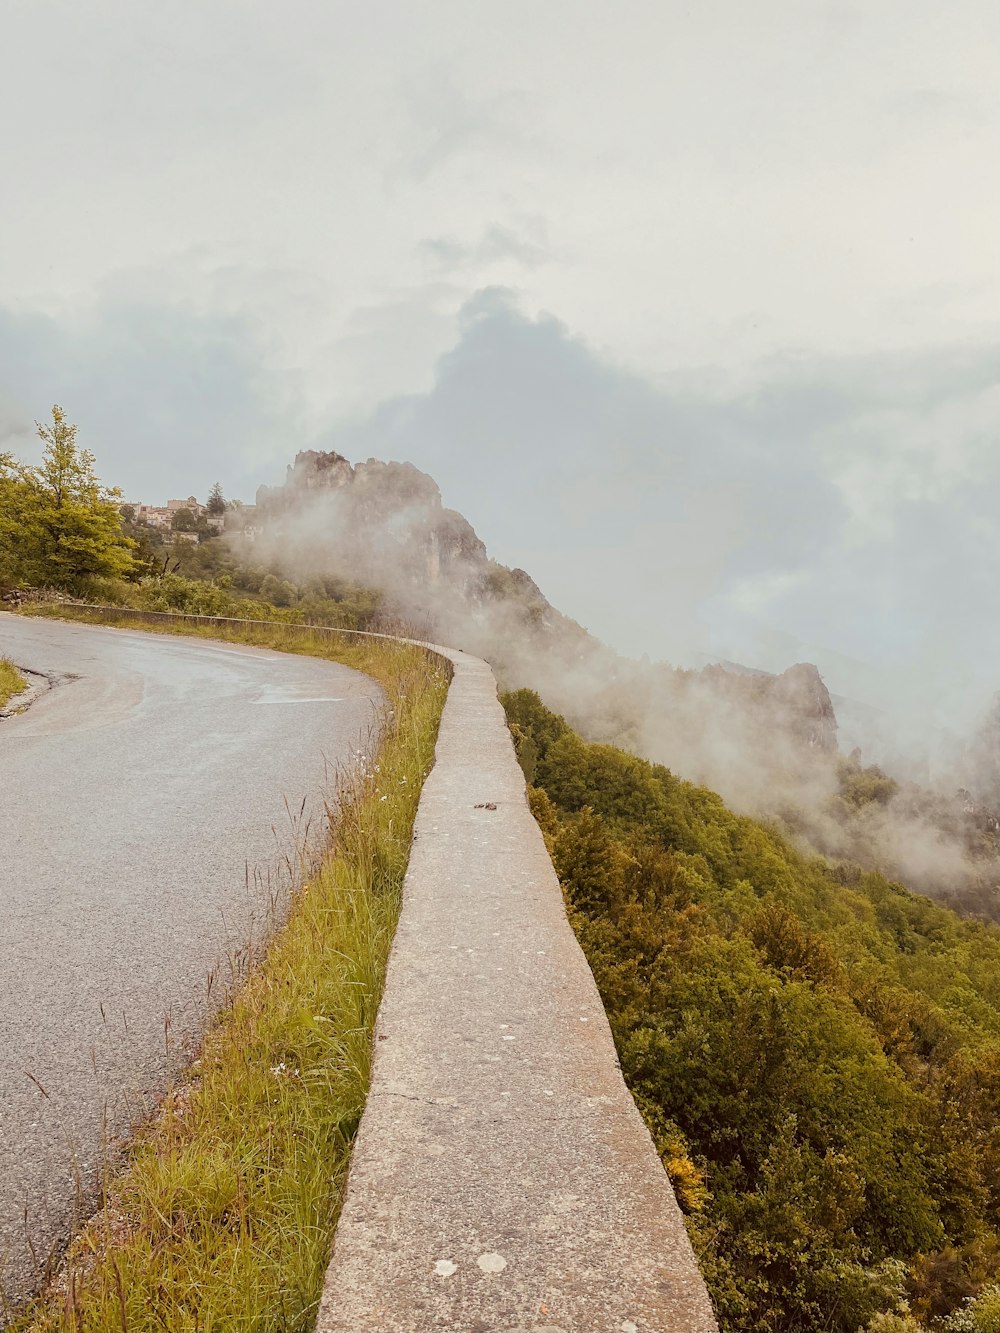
(134, 794)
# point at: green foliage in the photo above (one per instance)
(58, 525)
(183, 521)
(11, 681)
(864, 786)
(526, 709)
(174, 592)
(279, 592)
(815, 1049)
(985, 1310)
(227, 589)
(526, 751)
(216, 501)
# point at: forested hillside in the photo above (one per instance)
(815, 1049)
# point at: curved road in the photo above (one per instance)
(144, 822)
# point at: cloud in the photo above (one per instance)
(828, 506)
(629, 500)
(447, 122)
(526, 245)
(168, 398)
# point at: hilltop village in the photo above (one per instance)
(190, 520)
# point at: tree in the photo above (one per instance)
(183, 521)
(279, 592)
(58, 524)
(13, 520)
(146, 541)
(216, 501)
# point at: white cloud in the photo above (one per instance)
(718, 182)
(771, 228)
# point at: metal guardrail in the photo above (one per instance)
(140, 616)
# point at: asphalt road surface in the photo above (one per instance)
(144, 823)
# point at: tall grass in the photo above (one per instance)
(11, 682)
(224, 1217)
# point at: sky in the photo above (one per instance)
(692, 309)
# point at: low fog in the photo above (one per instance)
(833, 511)
(770, 743)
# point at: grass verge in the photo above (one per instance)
(11, 682)
(224, 1216)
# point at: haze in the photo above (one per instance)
(691, 310)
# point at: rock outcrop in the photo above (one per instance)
(384, 524)
(386, 519)
(805, 706)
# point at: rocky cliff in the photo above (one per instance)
(742, 732)
(386, 517)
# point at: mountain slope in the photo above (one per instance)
(816, 1052)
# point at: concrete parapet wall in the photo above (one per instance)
(502, 1178)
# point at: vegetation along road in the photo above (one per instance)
(151, 804)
